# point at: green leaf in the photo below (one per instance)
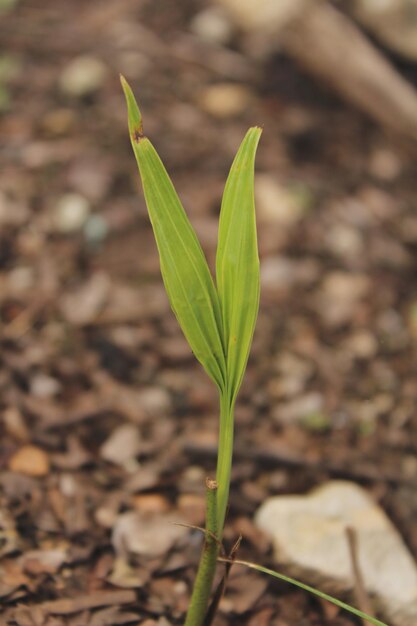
(237, 262)
(184, 268)
(313, 590)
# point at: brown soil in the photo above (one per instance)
(90, 348)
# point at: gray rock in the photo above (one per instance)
(309, 537)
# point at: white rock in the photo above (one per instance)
(82, 76)
(213, 25)
(146, 534)
(309, 537)
(122, 445)
(44, 386)
(71, 213)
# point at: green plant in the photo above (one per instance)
(218, 319)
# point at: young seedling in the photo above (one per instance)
(217, 318)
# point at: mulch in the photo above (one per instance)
(108, 424)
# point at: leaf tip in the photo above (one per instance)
(134, 114)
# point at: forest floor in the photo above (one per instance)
(104, 410)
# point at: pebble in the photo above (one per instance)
(309, 538)
(122, 445)
(299, 409)
(72, 211)
(155, 401)
(277, 203)
(344, 241)
(31, 461)
(146, 534)
(339, 296)
(212, 25)
(362, 344)
(385, 164)
(44, 386)
(224, 100)
(83, 76)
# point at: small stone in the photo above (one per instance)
(44, 386)
(385, 164)
(293, 373)
(31, 461)
(339, 296)
(146, 534)
(122, 445)
(224, 100)
(278, 204)
(83, 76)
(309, 537)
(71, 213)
(300, 408)
(212, 25)
(155, 401)
(362, 345)
(316, 422)
(344, 241)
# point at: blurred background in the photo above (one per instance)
(106, 420)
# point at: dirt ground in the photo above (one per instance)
(108, 426)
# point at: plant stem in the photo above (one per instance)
(208, 560)
(224, 460)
